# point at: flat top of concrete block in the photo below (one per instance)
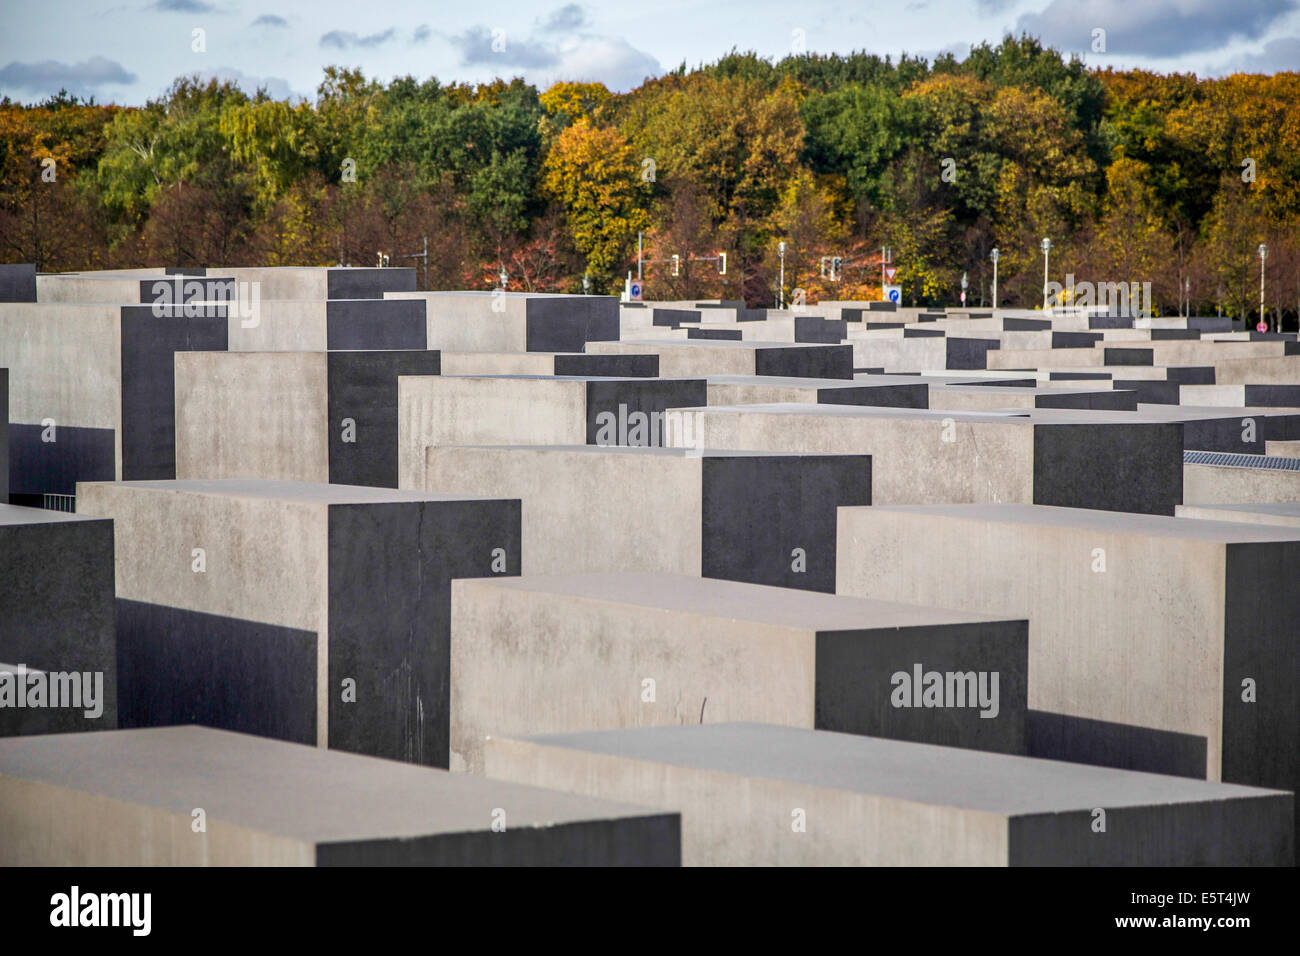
(307, 793)
(808, 409)
(500, 354)
(782, 381)
(301, 491)
(921, 773)
(1112, 522)
(651, 450)
(734, 600)
(1153, 413)
(482, 293)
(725, 344)
(974, 378)
(1283, 509)
(17, 514)
(630, 379)
(1056, 388)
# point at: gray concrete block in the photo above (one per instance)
(990, 397)
(294, 416)
(715, 357)
(56, 589)
(1285, 513)
(1159, 622)
(889, 391)
(550, 363)
(68, 800)
(18, 283)
(287, 609)
(597, 651)
(759, 517)
(517, 321)
(533, 410)
(91, 393)
(1214, 478)
(1042, 456)
(754, 794)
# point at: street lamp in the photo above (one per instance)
(994, 256)
(963, 288)
(504, 278)
(586, 283)
(1046, 247)
(780, 249)
(1263, 254)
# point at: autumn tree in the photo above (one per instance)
(595, 176)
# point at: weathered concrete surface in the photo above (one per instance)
(1285, 513)
(863, 390)
(324, 282)
(91, 390)
(516, 321)
(1145, 620)
(1045, 456)
(56, 591)
(709, 357)
(294, 416)
(760, 517)
(550, 363)
(18, 283)
(505, 409)
(317, 325)
(69, 800)
(753, 794)
(252, 415)
(987, 398)
(1208, 484)
(248, 604)
(597, 651)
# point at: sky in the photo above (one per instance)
(130, 52)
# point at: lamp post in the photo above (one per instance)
(1046, 247)
(994, 256)
(963, 288)
(504, 278)
(780, 250)
(1263, 254)
(586, 283)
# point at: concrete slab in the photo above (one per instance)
(287, 609)
(720, 357)
(1211, 478)
(892, 391)
(91, 391)
(597, 651)
(516, 321)
(550, 363)
(520, 409)
(68, 800)
(1286, 513)
(1159, 622)
(1045, 456)
(318, 325)
(753, 794)
(760, 517)
(56, 589)
(984, 398)
(18, 283)
(293, 416)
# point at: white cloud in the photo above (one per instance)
(1157, 28)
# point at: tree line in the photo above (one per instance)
(1134, 176)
